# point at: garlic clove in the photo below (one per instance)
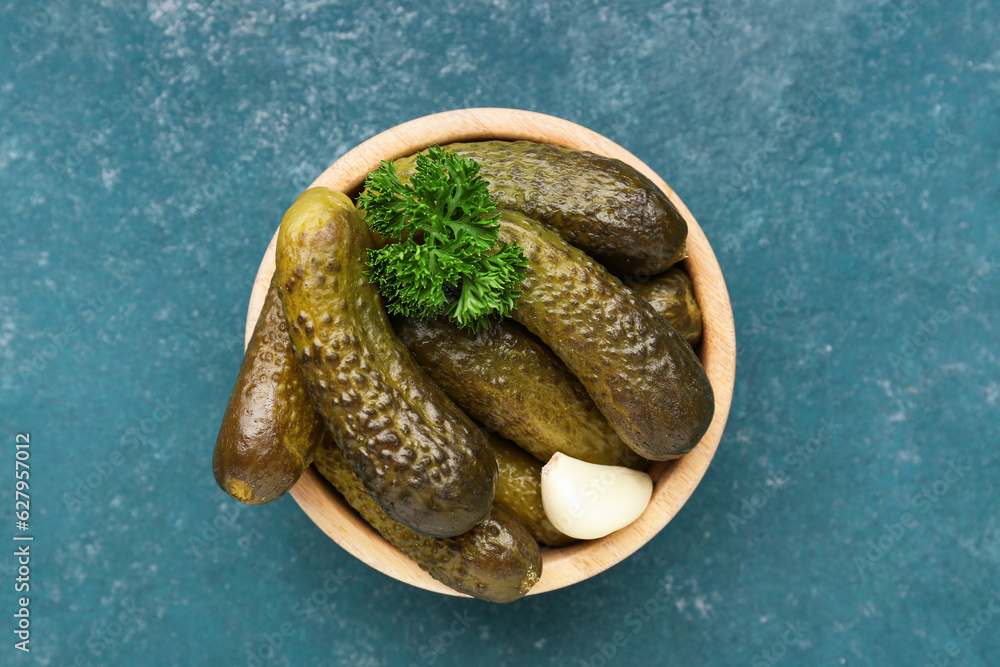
(588, 500)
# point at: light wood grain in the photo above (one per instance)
(675, 480)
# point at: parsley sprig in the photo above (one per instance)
(446, 259)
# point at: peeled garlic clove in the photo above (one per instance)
(587, 500)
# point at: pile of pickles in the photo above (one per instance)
(437, 436)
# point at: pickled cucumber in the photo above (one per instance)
(671, 294)
(511, 382)
(600, 205)
(421, 458)
(270, 429)
(519, 490)
(639, 371)
(497, 560)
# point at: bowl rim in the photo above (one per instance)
(675, 481)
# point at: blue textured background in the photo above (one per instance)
(842, 158)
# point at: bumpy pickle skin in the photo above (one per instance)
(671, 294)
(641, 373)
(519, 491)
(600, 205)
(510, 381)
(497, 560)
(270, 429)
(422, 459)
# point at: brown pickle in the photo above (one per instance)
(671, 294)
(519, 490)
(497, 560)
(270, 429)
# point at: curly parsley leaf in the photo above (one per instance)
(446, 259)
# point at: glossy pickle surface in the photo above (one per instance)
(598, 204)
(519, 490)
(269, 430)
(422, 459)
(510, 381)
(671, 294)
(496, 560)
(640, 372)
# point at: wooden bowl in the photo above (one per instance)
(674, 480)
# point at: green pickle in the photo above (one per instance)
(671, 294)
(600, 205)
(419, 456)
(511, 382)
(270, 429)
(639, 371)
(497, 560)
(519, 490)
